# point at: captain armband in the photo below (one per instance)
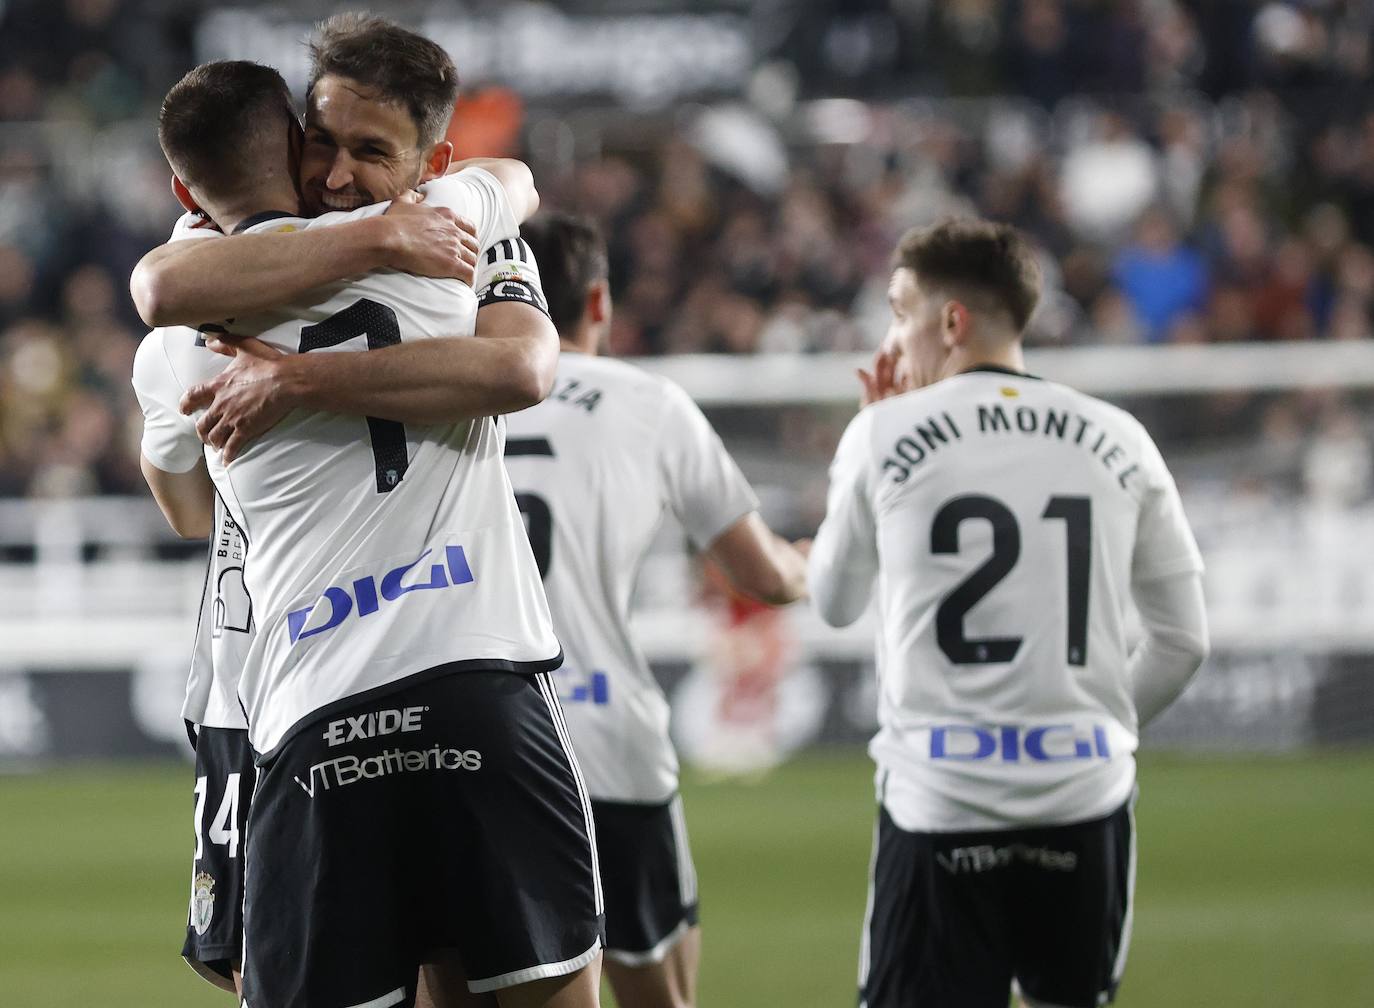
(507, 272)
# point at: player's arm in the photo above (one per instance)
(1166, 584)
(187, 499)
(1175, 644)
(759, 562)
(185, 283)
(844, 557)
(509, 366)
(718, 509)
(515, 178)
(172, 457)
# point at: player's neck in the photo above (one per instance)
(584, 341)
(230, 218)
(1005, 355)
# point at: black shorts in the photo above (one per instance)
(953, 918)
(224, 788)
(444, 816)
(650, 882)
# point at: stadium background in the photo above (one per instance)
(1200, 179)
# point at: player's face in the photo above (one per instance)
(358, 148)
(915, 334)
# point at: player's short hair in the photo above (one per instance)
(572, 256)
(981, 259)
(214, 119)
(401, 66)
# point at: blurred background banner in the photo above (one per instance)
(1199, 178)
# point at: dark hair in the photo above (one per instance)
(213, 119)
(572, 256)
(403, 67)
(975, 257)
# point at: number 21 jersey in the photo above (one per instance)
(1004, 519)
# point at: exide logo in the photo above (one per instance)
(454, 571)
(1039, 743)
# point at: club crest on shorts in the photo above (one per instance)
(202, 902)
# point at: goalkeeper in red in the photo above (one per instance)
(1008, 523)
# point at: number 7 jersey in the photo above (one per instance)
(1004, 520)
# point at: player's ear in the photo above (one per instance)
(437, 161)
(954, 324)
(184, 196)
(598, 306)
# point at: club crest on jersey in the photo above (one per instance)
(202, 902)
(365, 595)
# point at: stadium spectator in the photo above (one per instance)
(1248, 123)
(1162, 278)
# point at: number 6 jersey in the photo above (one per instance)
(1004, 519)
(375, 550)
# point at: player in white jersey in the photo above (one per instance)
(384, 560)
(225, 772)
(597, 467)
(1007, 523)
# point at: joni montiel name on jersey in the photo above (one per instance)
(997, 420)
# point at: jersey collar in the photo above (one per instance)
(259, 218)
(998, 369)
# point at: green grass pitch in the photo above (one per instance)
(1256, 884)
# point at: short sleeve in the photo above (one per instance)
(193, 225)
(169, 440)
(844, 556)
(1164, 544)
(473, 193)
(702, 484)
(476, 194)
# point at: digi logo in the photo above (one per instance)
(366, 596)
(594, 689)
(1054, 743)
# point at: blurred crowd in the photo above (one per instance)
(1192, 172)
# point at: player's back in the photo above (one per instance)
(596, 467)
(375, 549)
(1011, 515)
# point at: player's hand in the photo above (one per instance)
(431, 241)
(802, 546)
(243, 401)
(881, 382)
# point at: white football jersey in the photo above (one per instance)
(376, 550)
(224, 630)
(224, 625)
(1004, 519)
(596, 466)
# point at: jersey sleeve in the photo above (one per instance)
(193, 225)
(169, 439)
(507, 271)
(1164, 543)
(475, 193)
(844, 556)
(702, 484)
